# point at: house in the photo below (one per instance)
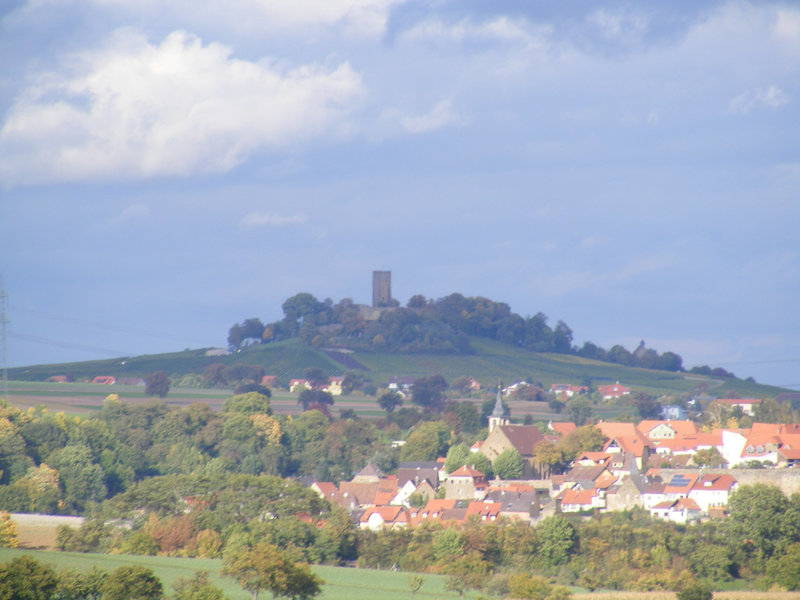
(673, 412)
(400, 384)
(486, 511)
(680, 485)
(681, 510)
(369, 474)
(104, 380)
(331, 493)
(580, 500)
(432, 511)
(747, 405)
(334, 387)
(298, 385)
(627, 494)
(363, 493)
(712, 490)
(653, 494)
(269, 381)
(418, 472)
(423, 490)
(465, 483)
(517, 505)
(568, 390)
(666, 430)
(616, 390)
(376, 518)
(583, 477)
(561, 429)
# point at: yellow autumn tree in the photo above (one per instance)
(267, 427)
(8, 532)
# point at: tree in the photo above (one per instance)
(250, 403)
(583, 439)
(756, 515)
(316, 377)
(390, 400)
(580, 409)
(708, 457)
(8, 531)
(250, 331)
(315, 399)
(26, 579)
(647, 406)
(132, 583)
(74, 585)
(531, 587)
(466, 572)
(562, 338)
(457, 457)
(428, 392)
(694, 591)
(558, 538)
(157, 384)
(428, 441)
(508, 464)
(264, 567)
(785, 569)
(197, 588)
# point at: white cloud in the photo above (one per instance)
(500, 29)
(438, 117)
(360, 17)
(133, 109)
(260, 219)
(772, 97)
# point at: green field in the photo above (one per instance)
(340, 583)
(490, 361)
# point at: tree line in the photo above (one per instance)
(442, 325)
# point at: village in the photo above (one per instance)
(651, 465)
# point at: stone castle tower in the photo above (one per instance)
(381, 288)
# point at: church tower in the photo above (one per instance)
(498, 417)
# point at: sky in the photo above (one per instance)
(631, 168)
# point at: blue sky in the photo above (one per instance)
(631, 168)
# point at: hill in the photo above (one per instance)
(491, 360)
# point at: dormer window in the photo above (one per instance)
(751, 449)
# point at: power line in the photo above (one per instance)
(69, 345)
(102, 326)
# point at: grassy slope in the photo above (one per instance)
(340, 583)
(491, 361)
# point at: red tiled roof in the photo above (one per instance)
(577, 497)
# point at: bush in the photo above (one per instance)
(695, 591)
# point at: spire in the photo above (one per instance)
(498, 417)
(498, 405)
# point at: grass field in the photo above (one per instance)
(490, 361)
(340, 583)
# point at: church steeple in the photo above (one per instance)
(498, 414)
